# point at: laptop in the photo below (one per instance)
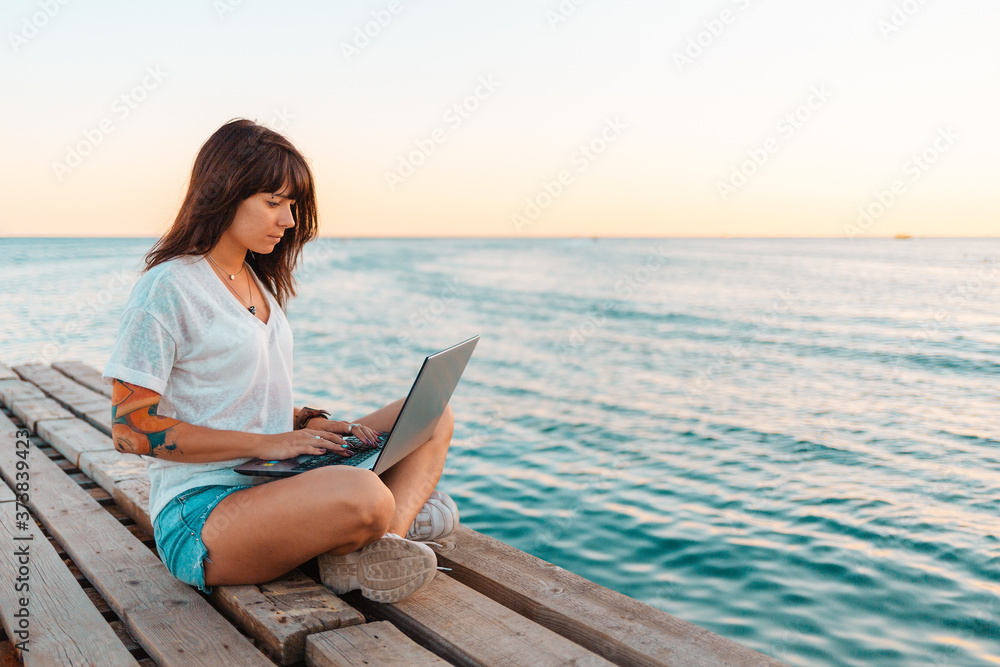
(425, 403)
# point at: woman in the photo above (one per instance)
(202, 382)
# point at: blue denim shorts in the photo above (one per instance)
(177, 531)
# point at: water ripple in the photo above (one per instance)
(774, 439)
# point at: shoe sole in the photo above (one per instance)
(391, 569)
(387, 570)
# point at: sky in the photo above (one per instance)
(861, 118)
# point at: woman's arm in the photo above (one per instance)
(137, 429)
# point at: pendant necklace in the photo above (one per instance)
(232, 276)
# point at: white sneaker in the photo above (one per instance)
(387, 570)
(436, 519)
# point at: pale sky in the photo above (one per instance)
(573, 118)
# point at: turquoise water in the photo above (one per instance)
(792, 443)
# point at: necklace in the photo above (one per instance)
(232, 276)
(250, 307)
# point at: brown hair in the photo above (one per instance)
(239, 161)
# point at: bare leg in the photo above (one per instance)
(257, 534)
(412, 479)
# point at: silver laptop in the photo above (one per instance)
(430, 393)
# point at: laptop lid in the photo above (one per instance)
(424, 405)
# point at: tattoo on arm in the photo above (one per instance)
(135, 426)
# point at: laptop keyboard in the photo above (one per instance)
(361, 452)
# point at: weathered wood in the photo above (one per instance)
(468, 628)
(62, 626)
(101, 496)
(6, 373)
(282, 613)
(168, 618)
(70, 394)
(99, 418)
(71, 438)
(124, 637)
(33, 410)
(132, 496)
(378, 643)
(75, 571)
(608, 623)
(12, 390)
(109, 467)
(278, 614)
(86, 375)
(82, 480)
(102, 607)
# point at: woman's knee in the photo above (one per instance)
(369, 501)
(381, 504)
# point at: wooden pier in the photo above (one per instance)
(98, 594)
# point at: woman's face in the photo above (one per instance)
(260, 221)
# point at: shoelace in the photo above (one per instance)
(440, 568)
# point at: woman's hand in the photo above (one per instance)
(281, 446)
(365, 434)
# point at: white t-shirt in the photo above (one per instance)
(187, 337)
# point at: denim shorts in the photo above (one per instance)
(177, 531)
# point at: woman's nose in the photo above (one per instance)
(287, 219)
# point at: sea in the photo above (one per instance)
(794, 443)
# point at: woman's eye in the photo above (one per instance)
(273, 204)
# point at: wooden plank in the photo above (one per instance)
(87, 376)
(6, 373)
(279, 614)
(124, 637)
(168, 618)
(99, 419)
(72, 395)
(608, 623)
(468, 628)
(44, 377)
(33, 410)
(378, 643)
(11, 390)
(282, 613)
(101, 496)
(71, 438)
(60, 626)
(109, 467)
(132, 496)
(102, 607)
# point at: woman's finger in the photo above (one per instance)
(368, 435)
(325, 435)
